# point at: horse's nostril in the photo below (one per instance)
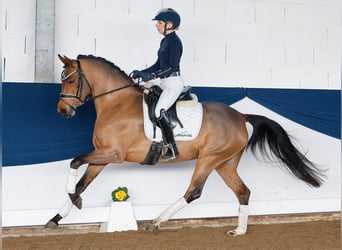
(63, 112)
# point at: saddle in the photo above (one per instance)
(151, 97)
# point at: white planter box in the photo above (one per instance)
(121, 218)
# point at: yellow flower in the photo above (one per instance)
(121, 195)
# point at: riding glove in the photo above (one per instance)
(146, 76)
(136, 74)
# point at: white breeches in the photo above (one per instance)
(172, 87)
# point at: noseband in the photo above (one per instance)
(78, 94)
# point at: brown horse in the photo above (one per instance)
(119, 136)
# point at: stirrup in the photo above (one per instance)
(170, 153)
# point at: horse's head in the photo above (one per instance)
(74, 92)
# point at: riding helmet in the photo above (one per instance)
(168, 15)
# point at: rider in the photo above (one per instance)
(167, 69)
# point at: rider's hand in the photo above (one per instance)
(145, 77)
(135, 74)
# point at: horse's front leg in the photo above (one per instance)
(96, 163)
(75, 191)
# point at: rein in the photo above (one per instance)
(78, 94)
(108, 92)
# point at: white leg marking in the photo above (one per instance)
(242, 221)
(71, 186)
(65, 210)
(174, 208)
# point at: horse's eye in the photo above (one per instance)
(71, 81)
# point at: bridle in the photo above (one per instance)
(80, 88)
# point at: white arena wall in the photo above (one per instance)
(247, 43)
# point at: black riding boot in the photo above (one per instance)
(168, 137)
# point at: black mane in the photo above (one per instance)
(103, 60)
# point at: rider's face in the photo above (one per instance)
(160, 25)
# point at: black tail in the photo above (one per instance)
(266, 131)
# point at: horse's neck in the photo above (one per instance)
(109, 89)
(115, 102)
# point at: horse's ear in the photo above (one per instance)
(67, 61)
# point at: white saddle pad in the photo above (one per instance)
(190, 113)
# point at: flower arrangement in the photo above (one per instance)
(120, 194)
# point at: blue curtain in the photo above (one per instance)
(32, 130)
(216, 94)
(319, 110)
(34, 133)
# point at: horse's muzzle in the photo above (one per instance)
(65, 110)
(66, 113)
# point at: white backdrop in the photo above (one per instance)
(33, 194)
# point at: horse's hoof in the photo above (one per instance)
(76, 200)
(234, 233)
(151, 227)
(78, 203)
(51, 225)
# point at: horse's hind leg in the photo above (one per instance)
(228, 171)
(194, 191)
